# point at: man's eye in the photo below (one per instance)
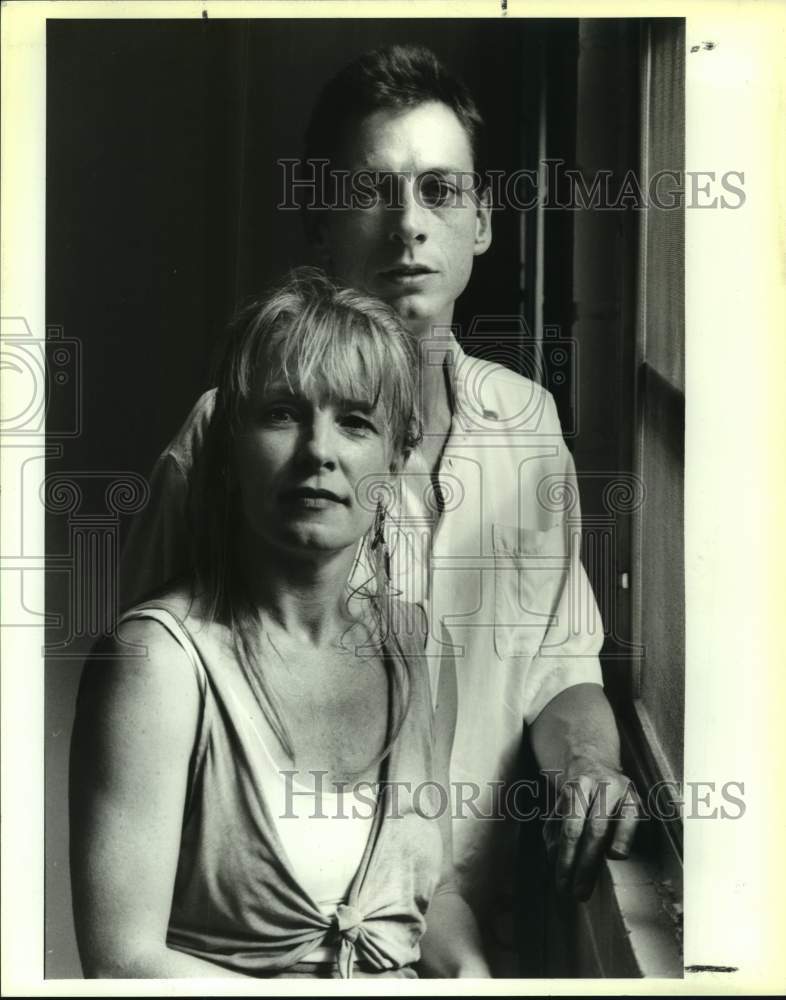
(435, 192)
(279, 414)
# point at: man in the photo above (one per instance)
(482, 540)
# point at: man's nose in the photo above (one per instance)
(408, 218)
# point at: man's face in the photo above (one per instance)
(415, 249)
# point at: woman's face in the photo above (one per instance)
(304, 465)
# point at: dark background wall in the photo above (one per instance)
(162, 189)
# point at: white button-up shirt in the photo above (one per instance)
(500, 568)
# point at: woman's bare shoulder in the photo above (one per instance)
(140, 677)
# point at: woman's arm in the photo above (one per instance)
(136, 722)
(451, 947)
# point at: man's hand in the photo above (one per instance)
(575, 739)
(596, 814)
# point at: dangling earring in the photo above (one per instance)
(379, 537)
(379, 526)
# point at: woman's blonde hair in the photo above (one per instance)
(331, 342)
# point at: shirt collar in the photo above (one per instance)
(458, 366)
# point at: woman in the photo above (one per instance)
(238, 716)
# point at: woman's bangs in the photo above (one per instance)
(327, 357)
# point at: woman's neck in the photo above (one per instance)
(306, 597)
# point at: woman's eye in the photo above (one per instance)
(356, 422)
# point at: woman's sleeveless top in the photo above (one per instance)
(238, 901)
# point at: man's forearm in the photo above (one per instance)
(577, 723)
(576, 738)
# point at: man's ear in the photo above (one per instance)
(483, 223)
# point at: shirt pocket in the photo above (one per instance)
(530, 572)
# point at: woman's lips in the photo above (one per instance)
(311, 499)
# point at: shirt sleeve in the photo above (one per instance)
(157, 547)
(570, 648)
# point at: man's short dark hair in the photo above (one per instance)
(395, 78)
